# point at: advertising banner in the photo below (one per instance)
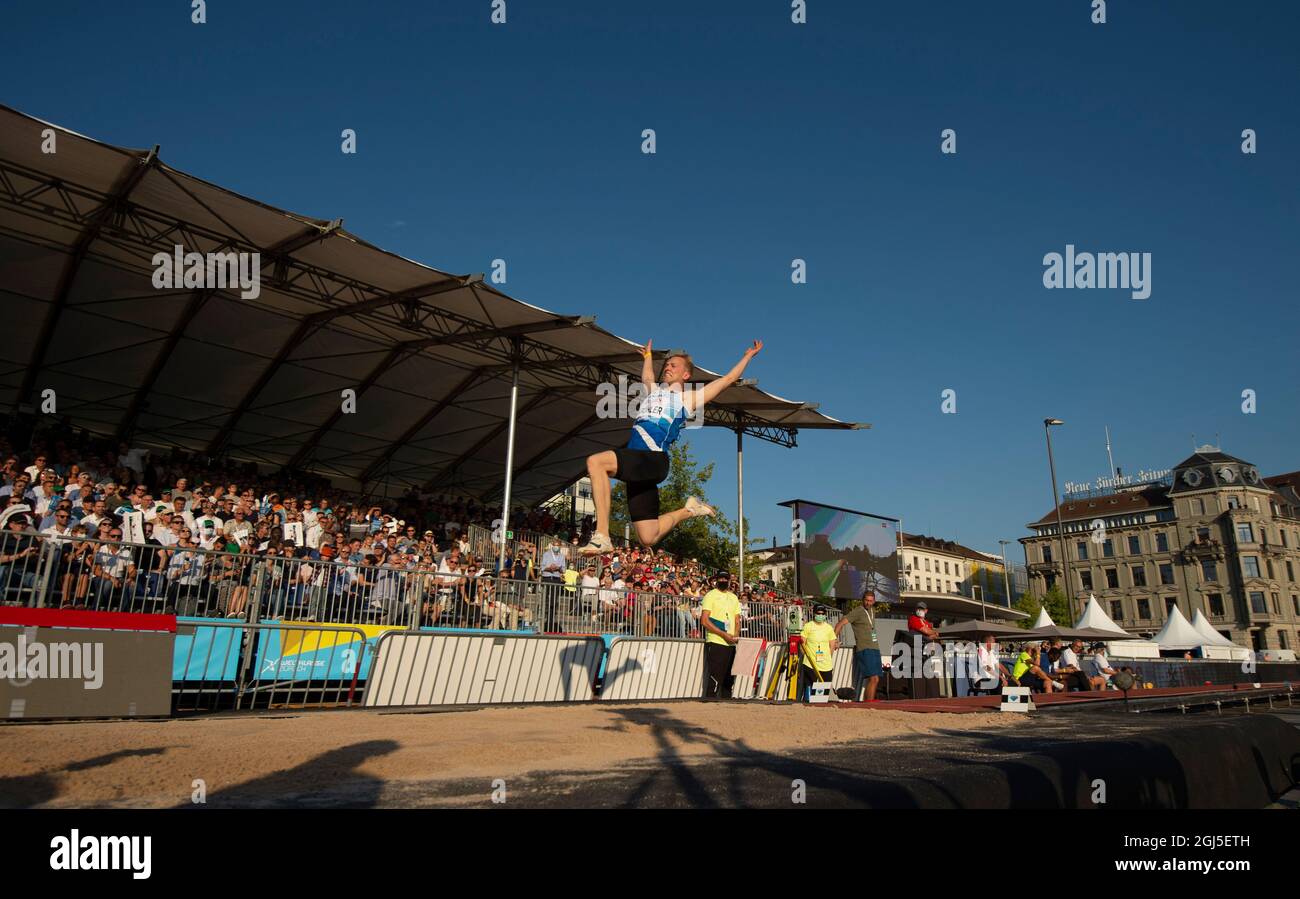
(206, 653)
(312, 652)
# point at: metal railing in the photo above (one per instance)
(221, 665)
(189, 581)
(23, 568)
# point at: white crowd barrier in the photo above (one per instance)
(651, 668)
(416, 669)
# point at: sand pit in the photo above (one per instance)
(281, 756)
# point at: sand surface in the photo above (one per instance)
(287, 755)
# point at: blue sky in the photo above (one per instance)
(778, 141)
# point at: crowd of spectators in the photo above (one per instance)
(143, 530)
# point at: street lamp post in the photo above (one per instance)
(1048, 423)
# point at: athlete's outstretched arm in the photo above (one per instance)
(648, 367)
(706, 393)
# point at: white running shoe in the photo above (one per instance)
(698, 507)
(1059, 685)
(599, 544)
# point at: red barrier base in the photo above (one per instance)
(113, 621)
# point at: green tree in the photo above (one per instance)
(711, 540)
(1058, 607)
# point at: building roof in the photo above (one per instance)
(1290, 479)
(1207, 455)
(775, 555)
(949, 547)
(260, 378)
(1118, 503)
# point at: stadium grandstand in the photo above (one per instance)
(333, 445)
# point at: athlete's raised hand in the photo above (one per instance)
(647, 352)
(753, 350)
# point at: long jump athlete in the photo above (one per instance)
(644, 462)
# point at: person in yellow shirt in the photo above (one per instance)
(720, 618)
(819, 645)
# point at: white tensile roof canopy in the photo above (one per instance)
(1178, 632)
(1043, 619)
(429, 354)
(1210, 637)
(1095, 617)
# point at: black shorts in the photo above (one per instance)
(641, 471)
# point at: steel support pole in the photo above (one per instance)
(740, 505)
(510, 451)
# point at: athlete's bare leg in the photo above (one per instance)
(652, 530)
(600, 468)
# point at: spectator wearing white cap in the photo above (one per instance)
(1101, 665)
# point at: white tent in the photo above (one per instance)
(1093, 616)
(1125, 645)
(1216, 646)
(1043, 619)
(1178, 633)
(1203, 627)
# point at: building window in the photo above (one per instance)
(1047, 552)
(1251, 564)
(1281, 640)
(1209, 571)
(1202, 535)
(1282, 533)
(1108, 549)
(927, 563)
(1139, 575)
(1243, 533)
(1166, 573)
(1171, 603)
(928, 587)
(1269, 563)
(1083, 550)
(1198, 507)
(1134, 546)
(1216, 605)
(1263, 534)
(1162, 542)
(1257, 603)
(1233, 502)
(1277, 608)
(1144, 608)
(1116, 609)
(1112, 578)
(1290, 572)
(1295, 603)
(1085, 578)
